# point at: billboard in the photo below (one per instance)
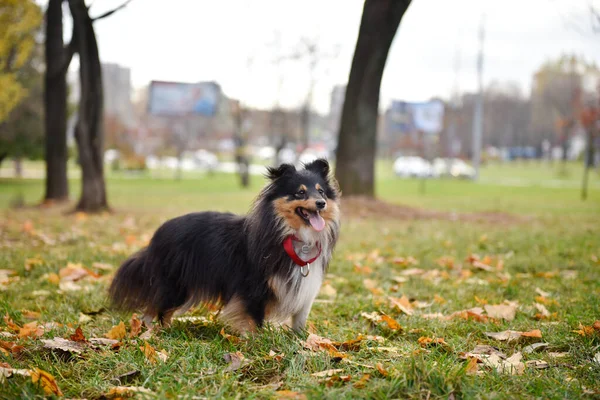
(405, 117)
(173, 99)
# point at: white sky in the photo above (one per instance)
(228, 41)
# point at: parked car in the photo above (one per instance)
(452, 167)
(412, 167)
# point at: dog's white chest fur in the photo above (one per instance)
(296, 294)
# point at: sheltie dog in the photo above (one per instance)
(265, 266)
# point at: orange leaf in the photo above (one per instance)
(536, 333)
(381, 370)
(78, 336)
(391, 322)
(117, 332)
(31, 330)
(230, 338)
(11, 324)
(362, 381)
(149, 352)
(12, 347)
(472, 366)
(136, 326)
(46, 381)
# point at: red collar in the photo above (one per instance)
(289, 249)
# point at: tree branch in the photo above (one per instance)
(109, 13)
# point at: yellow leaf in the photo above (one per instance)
(136, 326)
(117, 332)
(46, 381)
(362, 381)
(391, 322)
(149, 352)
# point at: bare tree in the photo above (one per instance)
(89, 133)
(58, 59)
(355, 158)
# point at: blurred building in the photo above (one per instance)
(116, 81)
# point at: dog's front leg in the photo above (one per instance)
(299, 319)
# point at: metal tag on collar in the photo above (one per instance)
(305, 249)
(307, 266)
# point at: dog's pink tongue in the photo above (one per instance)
(317, 222)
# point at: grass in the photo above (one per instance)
(555, 247)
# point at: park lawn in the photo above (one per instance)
(541, 247)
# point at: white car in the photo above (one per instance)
(453, 167)
(412, 167)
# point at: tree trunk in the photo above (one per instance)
(55, 106)
(355, 156)
(18, 167)
(89, 133)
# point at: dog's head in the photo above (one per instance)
(304, 198)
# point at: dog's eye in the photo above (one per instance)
(301, 193)
(321, 192)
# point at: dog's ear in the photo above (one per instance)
(320, 167)
(274, 173)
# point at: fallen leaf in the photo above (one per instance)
(535, 347)
(482, 349)
(405, 261)
(103, 341)
(596, 358)
(234, 360)
(64, 345)
(288, 394)
(505, 311)
(11, 347)
(117, 332)
(30, 314)
(513, 335)
(7, 372)
(557, 354)
(381, 369)
(542, 293)
(230, 338)
(328, 290)
(31, 330)
(537, 364)
(472, 366)
(328, 372)
(512, 365)
(152, 355)
(78, 336)
(391, 323)
(46, 381)
(33, 262)
(402, 303)
(413, 272)
(103, 266)
(543, 311)
(475, 313)
(119, 392)
(361, 383)
(10, 323)
(135, 326)
(374, 316)
(425, 341)
(316, 343)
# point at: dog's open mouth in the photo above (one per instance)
(312, 218)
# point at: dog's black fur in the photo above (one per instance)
(212, 257)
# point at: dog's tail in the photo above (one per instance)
(128, 289)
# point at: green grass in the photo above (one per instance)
(555, 247)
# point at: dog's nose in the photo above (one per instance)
(321, 204)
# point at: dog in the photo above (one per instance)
(265, 266)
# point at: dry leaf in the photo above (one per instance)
(537, 364)
(514, 335)
(152, 355)
(505, 311)
(119, 392)
(381, 369)
(103, 341)
(374, 316)
(402, 303)
(230, 338)
(328, 372)
(535, 347)
(46, 381)
(328, 290)
(405, 262)
(78, 336)
(425, 341)
(11, 347)
(542, 293)
(391, 323)
(235, 360)
(30, 314)
(135, 326)
(65, 345)
(413, 272)
(117, 332)
(10, 323)
(472, 366)
(588, 330)
(7, 372)
(361, 383)
(475, 313)
(288, 394)
(512, 365)
(31, 330)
